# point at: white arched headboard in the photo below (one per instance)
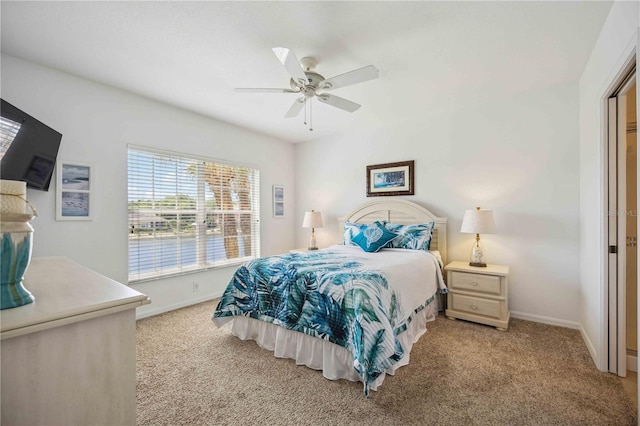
(403, 212)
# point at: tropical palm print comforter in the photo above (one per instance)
(358, 300)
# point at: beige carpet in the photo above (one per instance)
(191, 373)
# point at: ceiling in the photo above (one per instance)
(192, 54)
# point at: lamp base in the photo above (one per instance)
(17, 247)
(477, 254)
(312, 248)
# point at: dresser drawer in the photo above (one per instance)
(475, 282)
(475, 305)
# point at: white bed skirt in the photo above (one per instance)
(335, 361)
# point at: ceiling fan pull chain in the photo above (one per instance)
(310, 116)
(305, 111)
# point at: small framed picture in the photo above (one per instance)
(278, 201)
(390, 179)
(73, 191)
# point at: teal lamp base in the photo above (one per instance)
(15, 256)
(14, 295)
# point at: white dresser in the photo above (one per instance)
(478, 294)
(69, 358)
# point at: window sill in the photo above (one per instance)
(184, 271)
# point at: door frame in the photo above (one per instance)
(615, 221)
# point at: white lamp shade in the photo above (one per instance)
(312, 220)
(478, 222)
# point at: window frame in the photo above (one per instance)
(201, 213)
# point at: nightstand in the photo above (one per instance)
(478, 294)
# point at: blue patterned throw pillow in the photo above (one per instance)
(374, 237)
(413, 237)
(350, 231)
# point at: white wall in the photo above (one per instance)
(97, 122)
(516, 155)
(614, 47)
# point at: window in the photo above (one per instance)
(189, 213)
(8, 131)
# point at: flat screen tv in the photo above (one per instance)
(28, 148)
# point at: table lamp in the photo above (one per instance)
(312, 220)
(478, 222)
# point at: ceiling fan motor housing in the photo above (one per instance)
(308, 90)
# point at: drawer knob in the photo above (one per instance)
(474, 283)
(474, 307)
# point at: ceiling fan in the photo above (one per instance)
(310, 84)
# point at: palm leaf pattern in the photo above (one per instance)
(327, 295)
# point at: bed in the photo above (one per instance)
(353, 313)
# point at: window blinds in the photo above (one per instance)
(189, 213)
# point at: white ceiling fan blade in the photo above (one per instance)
(352, 77)
(262, 90)
(291, 64)
(295, 109)
(339, 102)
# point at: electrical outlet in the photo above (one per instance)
(196, 286)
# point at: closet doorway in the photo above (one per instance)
(622, 226)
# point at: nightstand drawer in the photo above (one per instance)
(475, 282)
(475, 305)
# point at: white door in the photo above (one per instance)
(617, 227)
(613, 220)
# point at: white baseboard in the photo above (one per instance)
(632, 363)
(167, 308)
(590, 347)
(546, 320)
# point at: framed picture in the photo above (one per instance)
(390, 179)
(278, 201)
(73, 191)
